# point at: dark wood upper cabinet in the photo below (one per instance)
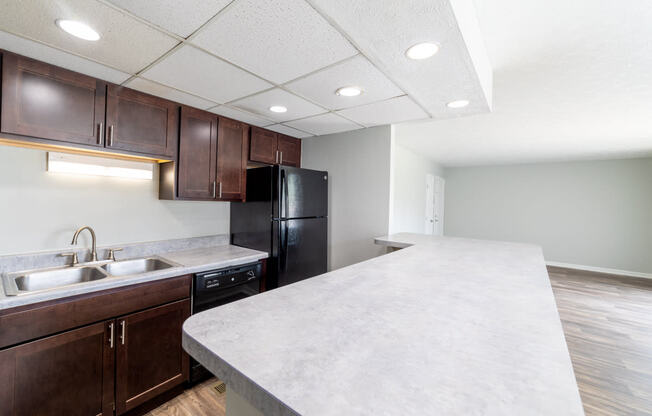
(141, 123)
(150, 359)
(263, 146)
(289, 150)
(44, 101)
(274, 148)
(231, 159)
(197, 154)
(66, 374)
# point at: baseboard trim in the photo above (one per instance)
(602, 270)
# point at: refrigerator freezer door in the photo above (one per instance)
(301, 193)
(301, 249)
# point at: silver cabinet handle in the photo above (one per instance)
(111, 135)
(214, 183)
(220, 190)
(122, 332)
(276, 157)
(281, 162)
(111, 334)
(100, 133)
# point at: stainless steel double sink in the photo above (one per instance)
(22, 283)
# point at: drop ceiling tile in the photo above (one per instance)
(168, 93)
(240, 115)
(260, 103)
(280, 128)
(60, 58)
(277, 39)
(194, 71)
(324, 124)
(385, 29)
(125, 44)
(394, 110)
(321, 86)
(173, 15)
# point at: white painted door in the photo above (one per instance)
(430, 204)
(439, 206)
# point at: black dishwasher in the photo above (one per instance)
(219, 287)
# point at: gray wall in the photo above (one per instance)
(41, 210)
(596, 214)
(408, 194)
(359, 176)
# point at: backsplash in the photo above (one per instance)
(28, 261)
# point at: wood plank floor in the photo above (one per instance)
(201, 400)
(607, 321)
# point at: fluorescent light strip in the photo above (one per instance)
(97, 166)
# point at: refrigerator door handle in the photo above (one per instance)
(284, 195)
(283, 257)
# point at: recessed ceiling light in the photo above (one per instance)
(278, 109)
(422, 50)
(78, 29)
(458, 103)
(349, 91)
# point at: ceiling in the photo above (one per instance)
(572, 81)
(239, 57)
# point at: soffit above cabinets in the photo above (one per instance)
(238, 57)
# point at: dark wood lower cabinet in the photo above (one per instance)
(124, 350)
(150, 359)
(66, 374)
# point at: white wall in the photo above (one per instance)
(596, 214)
(358, 165)
(41, 210)
(409, 171)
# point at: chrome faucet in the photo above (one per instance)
(94, 247)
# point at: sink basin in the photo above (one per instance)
(136, 266)
(48, 279)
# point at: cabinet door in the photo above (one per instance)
(150, 359)
(43, 101)
(66, 374)
(197, 154)
(289, 151)
(141, 123)
(263, 146)
(231, 159)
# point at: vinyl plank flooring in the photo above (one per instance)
(607, 321)
(201, 400)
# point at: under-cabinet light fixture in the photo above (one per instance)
(98, 166)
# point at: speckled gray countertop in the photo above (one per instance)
(446, 326)
(190, 261)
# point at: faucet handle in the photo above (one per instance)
(75, 259)
(112, 251)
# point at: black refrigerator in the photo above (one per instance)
(286, 215)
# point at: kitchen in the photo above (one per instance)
(217, 207)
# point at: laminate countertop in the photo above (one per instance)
(187, 262)
(446, 326)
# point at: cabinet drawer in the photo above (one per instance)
(34, 321)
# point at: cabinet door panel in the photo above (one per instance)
(66, 374)
(150, 359)
(289, 151)
(263, 145)
(197, 154)
(47, 102)
(142, 123)
(231, 159)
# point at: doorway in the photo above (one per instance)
(434, 219)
